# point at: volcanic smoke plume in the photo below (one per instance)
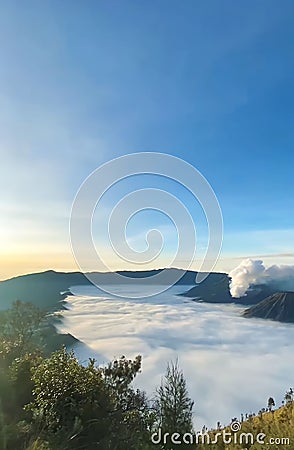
(253, 271)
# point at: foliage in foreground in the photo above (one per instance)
(55, 403)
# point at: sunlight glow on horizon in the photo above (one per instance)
(13, 265)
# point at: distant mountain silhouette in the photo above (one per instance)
(44, 288)
(216, 289)
(279, 307)
(48, 289)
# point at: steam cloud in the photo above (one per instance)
(251, 272)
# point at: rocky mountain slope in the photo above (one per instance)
(279, 307)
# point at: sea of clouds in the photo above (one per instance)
(231, 364)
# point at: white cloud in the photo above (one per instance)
(232, 364)
(253, 271)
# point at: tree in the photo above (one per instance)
(173, 404)
(90, 407)
(19, 351)
(289, 396)
(20, 329)
(271, 403)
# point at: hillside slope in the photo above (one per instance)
(275, 429)
(279, 307)
(43, 289)
(216, 289)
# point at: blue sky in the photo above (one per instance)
(208, 81)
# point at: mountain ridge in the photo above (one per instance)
(278, 307)
(44, 288)
(217, 290)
